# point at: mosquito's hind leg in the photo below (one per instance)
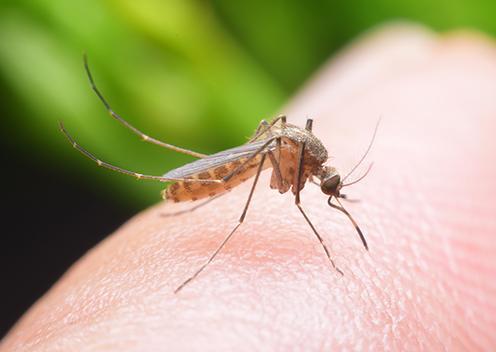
(298, 176)
(124, 171)
(262, 124)
(126, 124)
(240, 221)
(265, 126)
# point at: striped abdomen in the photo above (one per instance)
(185, 190)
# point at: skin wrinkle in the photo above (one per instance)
(272, 285)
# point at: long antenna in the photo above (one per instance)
(366, 152)
(360, 178)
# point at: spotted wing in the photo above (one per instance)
(218, 159)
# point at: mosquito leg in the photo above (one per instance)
(126, 124)
(250, 158)
(240, 221)
(194, 207)
(127, 172)
(276, 164)
(267, 126)
(298, 175)
(277, 170)
(262, 123)
(320, 239)
(299, 170)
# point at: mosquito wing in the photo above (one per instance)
(218, 159)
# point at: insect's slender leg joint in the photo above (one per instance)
(252, 190)
(276, 164)
(126, 124)
(277, 169)
(240, 221)
(263, 123)
(267, 127)
(124, 171)
(299, 172)
(250, 158)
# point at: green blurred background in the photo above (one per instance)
(198, 74)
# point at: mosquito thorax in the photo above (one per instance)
(330, 181)
(312, 144)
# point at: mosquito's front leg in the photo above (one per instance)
(299, 173)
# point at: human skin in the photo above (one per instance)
(427, 209)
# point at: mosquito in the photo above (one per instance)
(295, 155)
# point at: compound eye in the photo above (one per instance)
(330, 185)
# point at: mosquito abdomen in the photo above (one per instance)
(184, 191)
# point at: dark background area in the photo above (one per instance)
(199, 74)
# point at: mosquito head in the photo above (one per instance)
(330, 181)
(331, 184)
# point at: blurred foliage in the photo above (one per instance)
(198, 74)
